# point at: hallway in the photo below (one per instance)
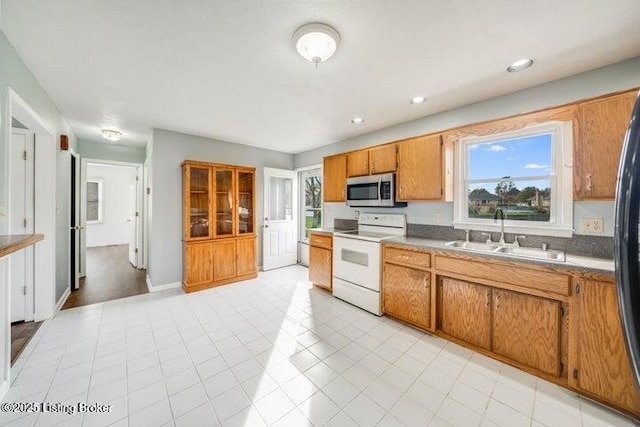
(109, 277)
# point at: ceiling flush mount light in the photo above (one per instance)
(357, 120)
(111, 135)
(520, 65)
(316, 42)
(417, 100)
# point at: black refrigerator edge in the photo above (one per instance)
(626, 235)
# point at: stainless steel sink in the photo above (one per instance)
(471, 246)
(531, 253)
(511, 251)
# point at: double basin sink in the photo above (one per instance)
(512, 251)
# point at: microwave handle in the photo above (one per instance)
(379, 190)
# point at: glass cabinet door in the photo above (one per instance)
(245, 202)
(224, 202)
(199, 202)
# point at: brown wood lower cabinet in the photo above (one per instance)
(406, 294)
(246, 256)
(198, 263)
(224, 259)
(465, 311)
(603, 367)
(320, 266)
(560, 325)
(527, 329)
(321, 260)
(217, 262)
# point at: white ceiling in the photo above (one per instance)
(228, 69)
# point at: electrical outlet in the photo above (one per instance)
(357, 215)
(593, 225)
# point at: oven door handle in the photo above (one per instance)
(379, 190)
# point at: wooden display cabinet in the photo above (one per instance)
(218, 224)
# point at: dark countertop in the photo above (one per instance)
(328, 230)
(573, 262)
(14, 242)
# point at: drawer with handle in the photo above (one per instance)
(407, 256)
(321, 240)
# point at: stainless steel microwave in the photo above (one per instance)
(373, 191)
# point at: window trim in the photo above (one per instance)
(100, 183)
(561, 216)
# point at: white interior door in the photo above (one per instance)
(132, 220)
(21, 266)
(280, 236)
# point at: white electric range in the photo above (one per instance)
(357, 259)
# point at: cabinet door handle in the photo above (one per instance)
(497, 301)
(328, 257)
(425, 282)
(487, 300)
(588, 186)
(373, 166)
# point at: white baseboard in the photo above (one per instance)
(164, 287)
(63, 299)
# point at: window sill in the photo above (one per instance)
(541, 230)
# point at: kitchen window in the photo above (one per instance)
(311, 188)
(94, 201)
(526, 173)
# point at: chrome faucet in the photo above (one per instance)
(495, 218)
(466, 237)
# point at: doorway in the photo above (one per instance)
(280, 229)
(108, 233)
(41, 301)
(21, 214)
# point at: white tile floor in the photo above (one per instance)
(273, 351)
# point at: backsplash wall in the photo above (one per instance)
(434, 220)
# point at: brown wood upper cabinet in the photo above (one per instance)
(419, 174)
(603, 123)
(335, 178)
(603, 367)
(382, 159)
(358, 163)
(371, 161)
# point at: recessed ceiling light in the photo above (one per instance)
(357, 120)
(316, 42)
(520, 65)
(418, 100)
(111, 134)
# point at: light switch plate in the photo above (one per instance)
(593, 225)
